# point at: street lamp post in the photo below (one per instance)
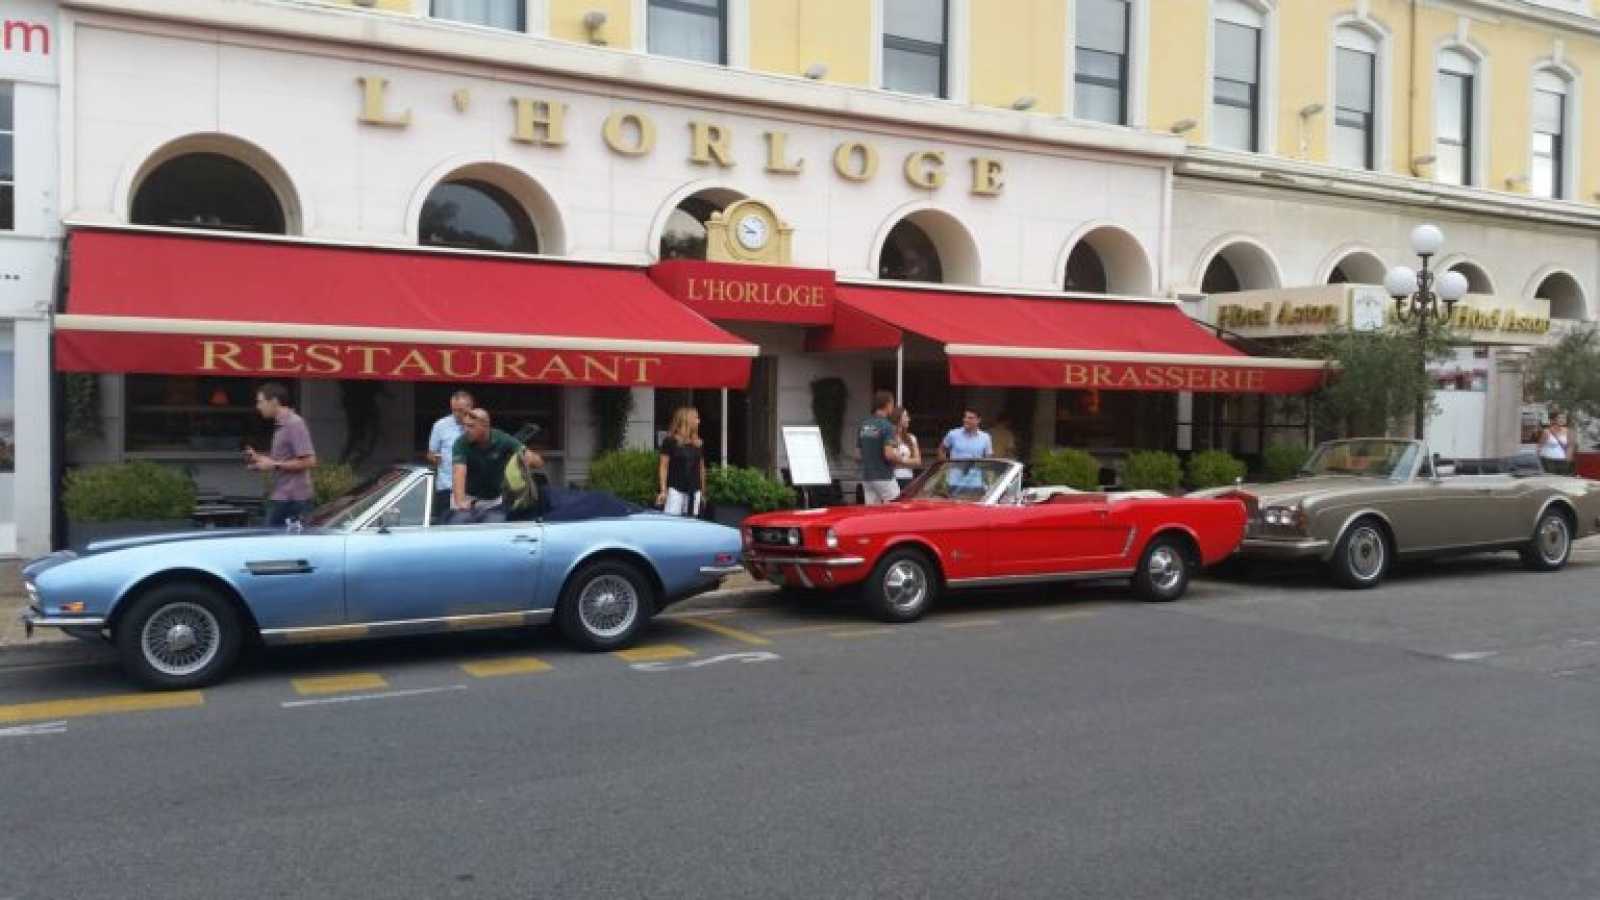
(1423, 296)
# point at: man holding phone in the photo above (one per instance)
(290, 460)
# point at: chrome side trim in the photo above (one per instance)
(825, 561)
(1304, 544)
(1564, 501)
(1127, 547)
(721, 570)
(325, 633)
(1012, 580)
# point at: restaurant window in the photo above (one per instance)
(1548, 175)
(208, 190)
(195, 415)
(1236, 82)
(688, 29)
(1355, 99)
(1453, 92)
(685, 235)
(510, 405)
(505, 14)
(1086, 273)
(8, 166)
(910, 255)
(476, 215)
(916, 38)
(1100, 61)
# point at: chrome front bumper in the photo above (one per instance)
(33, 617)
(1270, 548)
(721, 571)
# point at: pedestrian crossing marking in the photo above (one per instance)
(510, 665)
(94, 706)
(315, 685)
(654, 653)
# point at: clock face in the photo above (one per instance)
(752, 232)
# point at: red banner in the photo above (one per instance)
(182, 354)
(749, 293)
(1133, 376)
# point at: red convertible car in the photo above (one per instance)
(970, 524)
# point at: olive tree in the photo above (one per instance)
(1566, 376)
(1382, 378)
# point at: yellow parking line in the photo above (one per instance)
(510, 665)
(654, 653)
(969, 623)
(1064, 616)
(800, 629)
(338, 684)
(94, 706)
(727, 631)
(863, 632)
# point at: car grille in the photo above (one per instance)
(778, 537)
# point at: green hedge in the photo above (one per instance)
(735, 486)
(1281, 462)
(629, 474)
(328, 482)
(1152, 470)
(1214, 468)
(143, 491)
(1071, 468)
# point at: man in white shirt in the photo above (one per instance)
(441, 444)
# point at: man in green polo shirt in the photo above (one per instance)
(479, 468)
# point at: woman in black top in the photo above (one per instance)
(682, 473)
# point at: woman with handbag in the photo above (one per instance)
(682, 473)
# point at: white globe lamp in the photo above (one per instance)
(1400, 282)
(1426, 239)
(1452, 286)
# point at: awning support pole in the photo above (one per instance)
(900, 374)
(724, 444)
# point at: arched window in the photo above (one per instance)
(1455, 92)
(1355, 98)
(1086, 274)
(1478, 281)
(1565, 296)
(208, 190)
(910, 255)
(685, 234)
(1359, 267)
(1550, 172)
(1220, 277)
(1239, 266)
(476, 215)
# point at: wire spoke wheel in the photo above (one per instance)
(180, 639)
(608, 605)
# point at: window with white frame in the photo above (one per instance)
(1100, 61)
(1453, 94)
(1236, 76)
(1547, 177)
(688, 29)
(8, 160)
(916, 41)
(507, 14)
(1355, 99)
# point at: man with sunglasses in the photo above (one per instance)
(479, 470)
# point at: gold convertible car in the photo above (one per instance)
(1360, 504)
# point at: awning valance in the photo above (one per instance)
(180, 304)
(1071, 343)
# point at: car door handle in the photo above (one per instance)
(524, 539)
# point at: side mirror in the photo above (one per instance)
(389, 518)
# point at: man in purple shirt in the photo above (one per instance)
(290, 460)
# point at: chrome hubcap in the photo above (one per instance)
(1553, 539)
(181, 639)
(1165, 569)
(905, 585)
(608, 605)
(1366, 553)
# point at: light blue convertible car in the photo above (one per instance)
(369, 564)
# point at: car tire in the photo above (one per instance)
(1362, 556)
(179, 637)
(605, 604)
(1551, 545)
(1164, 571)
(902, 586)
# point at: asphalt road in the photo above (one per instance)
(1271, 738)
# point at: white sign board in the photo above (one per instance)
(808, 457)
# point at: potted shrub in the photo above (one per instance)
(735, 493)
(1214, 468)
(1070, 468)
(1153, 470)
(629, 474)
(1280, 462)
(104, 502)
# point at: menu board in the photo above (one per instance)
(808, 458)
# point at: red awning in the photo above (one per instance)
(182, 304)
(1069, 343)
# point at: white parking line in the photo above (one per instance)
(36, 728)
(351, 698)
(1472, 656)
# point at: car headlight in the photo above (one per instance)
(1282, 517)
(794, 537)
(831, 538)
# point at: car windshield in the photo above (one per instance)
(353, 504)
(1372, 458)
(961, 480)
